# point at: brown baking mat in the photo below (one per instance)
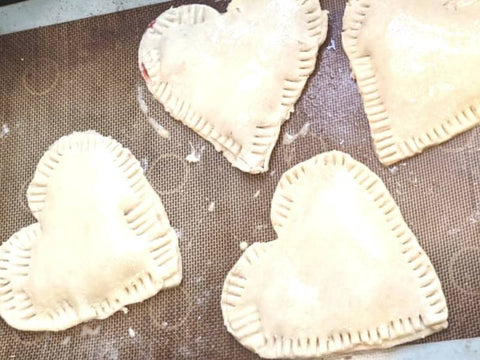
(83, 75)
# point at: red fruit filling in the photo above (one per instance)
(144, 72)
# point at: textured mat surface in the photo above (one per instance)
(83, 75)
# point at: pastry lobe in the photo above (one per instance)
(345, 274)
(102, 240)
(416, 64)
(234, 77)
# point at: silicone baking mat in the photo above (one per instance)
(83, 75)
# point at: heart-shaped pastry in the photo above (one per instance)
(345, 274)
(234, 77)
(416, 64)
(102, 240)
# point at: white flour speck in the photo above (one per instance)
(144, 164)
(66, 340)
(243, 245)
(257, 194)
(290, 138)
(332, 46)
(124, 310)
(393, 170)
(164, 324)
(131, 332)
(211, 207)
(195, 155)
(179, 233)
(5, 131)
(192, 158)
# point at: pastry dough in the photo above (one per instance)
(102, 240)
(345, 274)
(416, 63)
(234, 78)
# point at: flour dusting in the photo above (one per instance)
(195, 155)
(4, 131)
(290, 138)
(332, 45)
(144, 164)
(179, 233)
(261, 227)
(453, 232)
(211, 207)
(474, 217)
(131, 332)
(159, 129)
(393, 169)
(141, 101)
(88, 331)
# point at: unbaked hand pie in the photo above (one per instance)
(417, 67)
(345, 274)
(234, 78)
(102, 240)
